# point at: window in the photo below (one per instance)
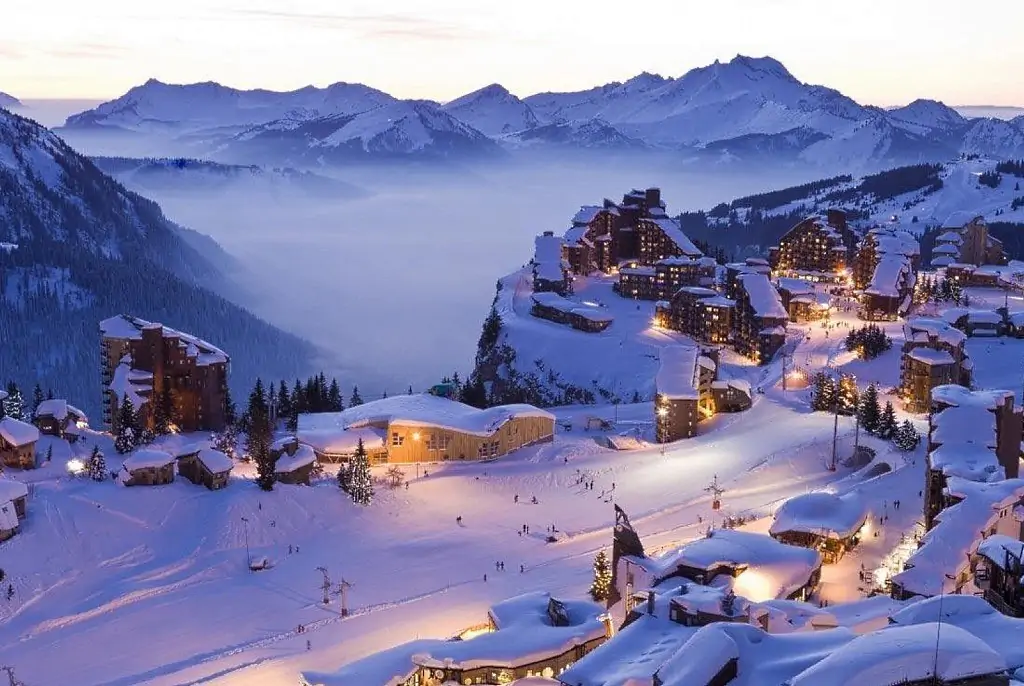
(438, 442)
(397, 439)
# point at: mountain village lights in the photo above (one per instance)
(75, 466)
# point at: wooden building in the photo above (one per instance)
(817, 247)
(966, 240)
(998, 567)
(550, 268)
(207, 467)
(153, 363)
(889, 294)
(759, 322)
(333, 447)
(933, 355)
(733, 270)
(427, 428)
(660, 280)
(802, 300)
(55, 416)
(13, 507)
(18, 443)
(295, 467)
(698, 312)
(822, 521)
(732, 395)
(148, 467)
(683, 393)
(555, 308)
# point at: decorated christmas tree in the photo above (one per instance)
(361, 486)
(906, 438)
(97, 465)
(601, 587)
(127, 427)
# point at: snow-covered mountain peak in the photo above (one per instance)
(493, 110)
(928, 113)
(767, 66)
(8, 100)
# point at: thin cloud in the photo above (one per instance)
(394, 26)
(95, 51)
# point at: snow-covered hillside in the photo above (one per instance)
(405, 128)
(202, 176)
(493, 111)
(746, 109)
(8, 100)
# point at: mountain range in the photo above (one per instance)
(80, 247)
(746, 109)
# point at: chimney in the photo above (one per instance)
(650, 603)
(549, 233)
(652, 196)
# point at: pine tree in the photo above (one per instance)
(870, 411)
(49, 453)
(258, 437)
(97, 465)
(127, 427)
(230, 411)
(361, 486)
(298, 398)
(848, 395)
(601, 586)
(887, 424)
(162, 411)
(409, 390)
(334, 397)
(823, 393)
(37, 399)
(345, 477)
(356, 398)
(14, 404)
(284, 401)
(906, 438)
(226, 441)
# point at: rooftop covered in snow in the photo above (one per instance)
(58, 409)
(822, 513)
(303, 457)
(677, 372)
(919, 329)
(889, 272)
(126, 327)
(147, 458)
(764, 299)
(17, 432)
(215, 461)
(12, 490)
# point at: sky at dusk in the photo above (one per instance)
(882, 52)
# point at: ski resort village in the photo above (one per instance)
(667, 467)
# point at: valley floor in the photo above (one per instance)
(124, 586)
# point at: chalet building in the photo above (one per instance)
(426, 428)
(602, 236)
(986, 276)
(18, 443)
(966, 240)
(340, 446)
(802, 301)
(733, 270)
(13, 507)
(976, 322)
(206, 467)
(699, 312)
(683, 392)
(817, 247)
(973, 435)
(560, 310)
(666, 276)
(148, 467)
(759, 321)
(295, 467)
(822, 521)
(933, 355)
(141, 360)
(732, 395)
(998, 569)
(878, 242)
(56, 417)
(890, 292)
(550, 269)
(662, 237)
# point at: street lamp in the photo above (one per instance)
(248, 559)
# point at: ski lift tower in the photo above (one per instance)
(326, 585)
(343, 591)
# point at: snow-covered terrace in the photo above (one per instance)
(919, 329)
(821, 513)
(956, 534)
(423, 410)
(995, 548)
(17, 432)
(763, 296)
(677, 373)
(525, 635)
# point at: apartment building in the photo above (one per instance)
(933, 355)
(817, 248)
(698, 312)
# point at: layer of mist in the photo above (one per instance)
(394, 287)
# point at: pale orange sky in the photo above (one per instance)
(883, 52)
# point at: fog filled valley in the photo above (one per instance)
(394, 287)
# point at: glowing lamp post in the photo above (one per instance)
(75, 466)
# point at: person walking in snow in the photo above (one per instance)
(522, 569)
(516, 499)
(309, 645)
(485, 577)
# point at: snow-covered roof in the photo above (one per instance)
(949, 237)
(930, 356)
(960, 396)
(127, 327)
(670, 227)
(12, 490)
(945, 249)
(339, 441)
(147, 458)
(741, 385)
(557, 302)
(58, 409)
(822, 513)
(17, 432)
(216, 461)
(919, 329)
(586, 214)
(889, 272)
(677, 372)
(958, 528)
(973, 461)
(902, 654)
(795, 286)
(964, 424)
(303, 457)
(773, 569)
(764, 299)
(524, 636)
(547, 257)
(996, 546)
(941, 261)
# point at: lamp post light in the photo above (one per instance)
(248, 558)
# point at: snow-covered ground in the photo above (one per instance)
(158, 575)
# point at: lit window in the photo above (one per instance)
(397, 439)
